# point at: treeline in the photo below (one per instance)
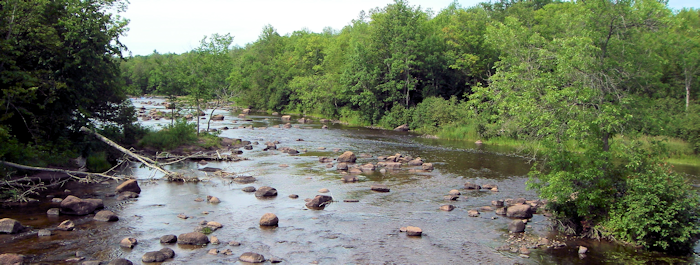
(383, 66)
(584, 80)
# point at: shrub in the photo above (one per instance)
(170, 137)
(97, 162)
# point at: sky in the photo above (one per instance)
(177, 26)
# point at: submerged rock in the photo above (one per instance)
(128, 242)
(447, 207)
(471, 186)
(380, 188)
(66, 225)
(249, 189)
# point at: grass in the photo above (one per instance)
(680, 152)
(181, 133)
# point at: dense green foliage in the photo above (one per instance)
(583, 79)
(172, 136)
(59, 71)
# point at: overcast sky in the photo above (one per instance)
(177, 26)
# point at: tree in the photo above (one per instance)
(59, 69)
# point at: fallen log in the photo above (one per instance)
(145, 160)
(69, 172)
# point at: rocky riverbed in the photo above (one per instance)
(309, 192)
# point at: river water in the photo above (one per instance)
(364, 232)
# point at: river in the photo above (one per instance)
(364, 232)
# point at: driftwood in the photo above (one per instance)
(69, 172)
(145, 160)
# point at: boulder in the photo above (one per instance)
(128, 242)
(401, 128)
(414, 231)
(367, 167)
(214, 225)
(213, 200)
(293, 196)
(10, 226)
(347, 157)
(582, 250)
(215, 240)
(252, 257)
(349, 178)
(416, 162)
(455, 192)
(288, 150)
(11, 259)
(519, 211)
(286, 117)
(244, 179)
(447, 207)
(75, 206)
(392, 165)
(269, 219)
(153, 256)
(168, 239)
(217, 117)
(247, 111)
(324, 190)
(129, 185)
(66, 225)
(213, 251)
(516, 226)
(319, 201)
(471, 186)
(355, 171)
(427, 166)
(489, 186)
(248, 189)
(53, 212)
(169, 253)
(266, 191)
(303, 120)
(324, 159)
(501, 211)
(497, 203)
(473, 213)
(380, 188)
(106, 216)
(193, 238)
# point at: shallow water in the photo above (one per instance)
(366, 232)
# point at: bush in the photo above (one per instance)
(398, 115)
(97, 162)
(435, 112)
(657, 209)
(170, 137)
(626, 193)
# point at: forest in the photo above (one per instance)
(602, 93)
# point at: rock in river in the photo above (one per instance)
(414, 231)
(471, 186)
(380, 188)
(447, 207)
(193, 238)
(106, 216)
(519, 211)
(248, 189)
(128, 242)
(269, 219)
(10, 258)
(516, 226)
(266, 191)
(66, 225)
(168, 239)
(347, 157)
(252, 257)
(10, 226)
(129, 185)
(153, 256)
(319, 201)
(76, 206)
